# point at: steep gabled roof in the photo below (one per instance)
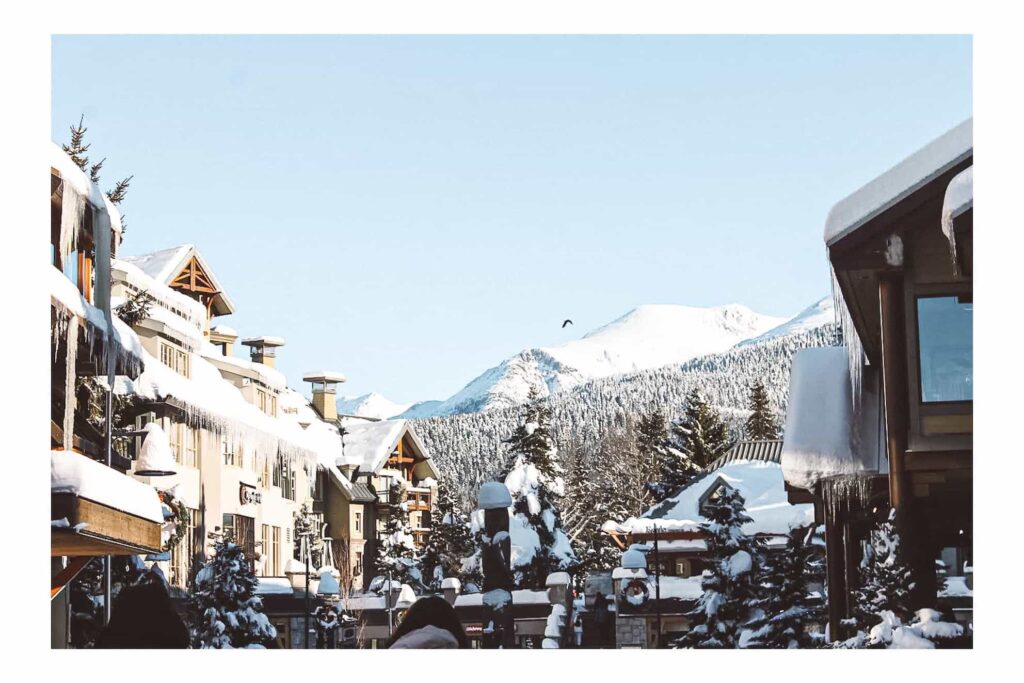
(368, 444)
(166, 265)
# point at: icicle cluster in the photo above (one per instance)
(855, 352)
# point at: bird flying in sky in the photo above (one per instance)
(567, 322)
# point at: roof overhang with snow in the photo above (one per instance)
(945, 155)
(369, 444)
(823, 437)
(167, 265)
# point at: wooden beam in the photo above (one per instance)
(68, 574)
(106, 530)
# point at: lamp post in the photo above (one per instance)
(657, 588)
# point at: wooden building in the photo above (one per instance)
(888, 419)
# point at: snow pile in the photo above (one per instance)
(269, 585)
(891, 633)
(956, 587)
(819, 419)
(494, 495)
(681, 588)
(959, 199)
(74, 473)
(899, 182)
(761, 485)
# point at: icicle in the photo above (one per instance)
(72, 213)
(845, 488)
(855, 354)
(69, 382)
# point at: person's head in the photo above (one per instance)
(143, 617)
(431, 610)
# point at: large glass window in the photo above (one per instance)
(946, 347)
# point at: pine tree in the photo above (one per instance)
(396, 552)
(117, 195)
(535, 482)
(448, 543)
(784, 608)
(761, 424)
(136, 309)
(701, 435)
(885, 580)
(223, 607)
(77, 149)
(730, 586)
(671, 467)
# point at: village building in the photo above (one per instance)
(887, 420)
(666, 551)
(96, 510)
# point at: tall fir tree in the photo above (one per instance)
(534, 480)
(448, 542)
(885, 580)
(670, 467)
(78, 148)
(702, 435)
(785, 608)
(730, 589)
(761, 425)
(224, 610)
(396, 552)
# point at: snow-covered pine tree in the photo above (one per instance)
(224, 610)
(448, 543)
(535, 482)
(885, 580)
(136, 309)
(670, 467)
(761, 425)
(784, 609)
(396, 552)
(730, 586)
(702, 435)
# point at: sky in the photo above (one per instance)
(411, 210)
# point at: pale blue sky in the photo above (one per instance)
(412, 210)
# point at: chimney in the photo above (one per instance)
(324, 395)
(263, 349)
(224, 337)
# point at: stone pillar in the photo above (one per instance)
(496, 558)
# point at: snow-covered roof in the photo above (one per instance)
(84, 477)
(188, 309)
(819, 419)
(165, 264)
(368, 444)
(763, 490)
(900, 181)
(224, 330)
(272, 377)
(264, 340)
(519, 597)
(217, 403)
(324, 376)
(75, 178)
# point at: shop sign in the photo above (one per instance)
(248, 495)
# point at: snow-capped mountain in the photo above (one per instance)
(816, 315)
(370, 405)
(649, 336)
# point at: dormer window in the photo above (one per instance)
(711, 496)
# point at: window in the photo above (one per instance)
(358, 569)
(182, 554)
(946, 348)
(175, 438)
(683, 568)
(191, 439)
(271, 550)
(241, 530)
(284, 477)
(359, 521)
(174, 358)
(228, 450)
(267, 402)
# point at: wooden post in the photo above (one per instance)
(496, 558)
(894, 382)
(835, 566)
